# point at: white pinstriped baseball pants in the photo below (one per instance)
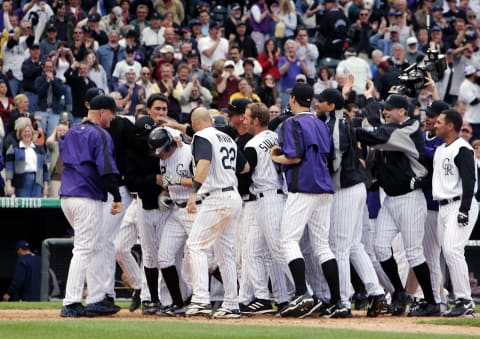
(453, 239)
(406, 215)
(111, 228)
(345, 241)
(215, 225)
(86, 218)
(125, 240)
(301, 209)
(150, 227)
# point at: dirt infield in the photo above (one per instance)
(357, 322)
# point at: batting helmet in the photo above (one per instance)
(160, 140)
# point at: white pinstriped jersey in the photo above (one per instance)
(222, 165)
(265, 176)
(446, 181)
(179, 163)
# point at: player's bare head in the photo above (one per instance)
(258, 110)
(201, 119)
(451, 116)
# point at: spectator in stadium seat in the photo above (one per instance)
(109, 55)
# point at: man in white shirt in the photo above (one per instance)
(357, 66)
(213, 46)
(469, 93)
(153, 36)
(118, 76)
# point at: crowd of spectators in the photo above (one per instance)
(210, 52)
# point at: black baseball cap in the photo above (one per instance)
(92, 93)
(395, 101)
(94, 17)
(303, 94)
(51, 28)
(237, 106)
(103, 102)
(144, 125)
(22, 244)
(215, 24)
(156, 15)
(332, 96)
(219, 121)
(192, 54)
(129, 49)
(35, 46)
(436, 107)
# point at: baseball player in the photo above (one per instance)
(89, 172)
(453, 185)
(305, 147)
(431, 243)
(143, 177)
(238, 131)
(215, 157)
(348, 203)
(263, 235)
(404, 208)
(126, 238)
(120, 130)
(176, 170)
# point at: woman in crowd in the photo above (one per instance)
(6, 102)
(325, 80)
(268, 59)
(97, 74)
(26, 170)
(56, 165)
(268, 92)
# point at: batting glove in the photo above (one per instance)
(462, 219)
(416, 182)
(164, 202)
(168, 180)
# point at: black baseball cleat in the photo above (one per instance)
(149, 308)
(299, 305)
(463, 308)
(316, 308)
(360, 300)
(400, 301)
(226, 313)
(337, 310)
(257, 306)
(75, 310)
(172, 311)
(376, 304)
(135, 304)
(198, 309)
(424, 309)
(103, 307)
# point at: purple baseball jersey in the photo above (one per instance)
(307, 137)
(87, 154)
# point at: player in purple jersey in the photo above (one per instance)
(89, 173)
(305, 148)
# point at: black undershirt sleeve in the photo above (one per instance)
(202, 149)
(466, 167)
(240, 163)
(110, 183)
(251, 156)
(475, 102)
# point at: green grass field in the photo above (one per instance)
(133, 328)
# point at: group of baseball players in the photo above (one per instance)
(242, 219)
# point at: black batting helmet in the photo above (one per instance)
(160, 140)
